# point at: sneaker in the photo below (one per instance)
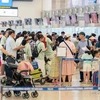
(81, 80)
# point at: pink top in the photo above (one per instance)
(72, 47)
(24, 66)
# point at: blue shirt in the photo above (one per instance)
(82, 44)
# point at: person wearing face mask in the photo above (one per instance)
(11, 44)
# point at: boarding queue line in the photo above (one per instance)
(77, 88)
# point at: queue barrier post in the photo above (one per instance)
(60, 72)
(99, 75)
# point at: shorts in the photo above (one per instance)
(87, 67)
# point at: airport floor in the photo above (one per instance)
(63, 95)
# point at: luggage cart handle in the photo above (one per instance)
(24, 71)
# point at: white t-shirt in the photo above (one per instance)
(10, 46)
(19, 41)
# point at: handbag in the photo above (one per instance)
(3, 55)
(80, 65)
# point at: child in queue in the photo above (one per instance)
(87, 65)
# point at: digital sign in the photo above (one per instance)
(9, 12)
(75, 3)
(87, 18)
(6, 3)
(94, 17)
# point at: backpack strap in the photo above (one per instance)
(88, 42)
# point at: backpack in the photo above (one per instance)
(98, 44)
(35, 52)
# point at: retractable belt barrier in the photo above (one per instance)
(50, 88)
(77, 88)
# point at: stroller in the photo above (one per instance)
(18, 80)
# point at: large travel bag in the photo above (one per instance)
(35, 64)
(36, 74)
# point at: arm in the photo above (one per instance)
(3, 41)
(29, 52)
(43, 48)
(73, 48)
(18, 48)
(91, 46)
(14, 47)
(77, 48)
(4, 51)
(49, 41)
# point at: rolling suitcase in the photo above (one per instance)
(36, 74)
(95, 78)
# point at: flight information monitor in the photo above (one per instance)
(94, 17)
(87, 18)
(9, 12)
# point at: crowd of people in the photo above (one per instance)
(79, 45)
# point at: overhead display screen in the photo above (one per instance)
(9, 12)
(67, 20)
(22, 0)
(74, 3)
(87, 18)
(94, 17)
(74, 19)
(6, 3)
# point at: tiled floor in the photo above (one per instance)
(64, 95)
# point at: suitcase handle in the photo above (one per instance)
(24, 71)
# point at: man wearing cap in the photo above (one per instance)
(81, 44)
